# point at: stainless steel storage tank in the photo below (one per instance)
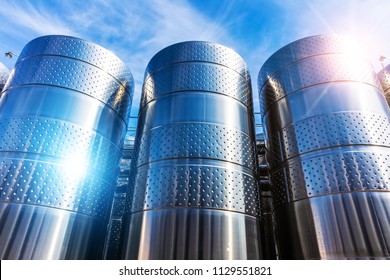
(384, 77)
(193, 183)
(4, 73)
(62, 119)
(327, 133)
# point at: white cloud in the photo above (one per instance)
(24, 15)
(137, 31)
(365, 20)
(134, 30)
(176, 21)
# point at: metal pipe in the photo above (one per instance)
(327, 126)
(193, 181)
(384, 77)
(62, 120)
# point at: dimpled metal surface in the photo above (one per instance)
(185, 77)
(209, 141)
(327, 126)
(194, 157)
(75, 75)
(301, 49)
(199, 185)
(4, 73)
(197, 51)
(81, 50)
(62, 116)
(384, 77)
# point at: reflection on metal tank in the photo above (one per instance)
(4, 73)
(62, 119)
(384, 77)
(327, 126)
(193, 183)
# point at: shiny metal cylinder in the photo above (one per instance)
(4, 73)
(327, 130)
(384, 77)
(193, 181)
(62, 119)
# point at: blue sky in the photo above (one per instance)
(136, 29)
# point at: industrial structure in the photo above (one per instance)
(384, 77)
(63, 115)
(4, 73)
(193, 192)
(327, 133)
(113, 244)
(197, 174)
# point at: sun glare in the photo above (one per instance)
(76, 165)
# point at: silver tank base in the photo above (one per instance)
(339, 226)
(46, 233)
(196, 234)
